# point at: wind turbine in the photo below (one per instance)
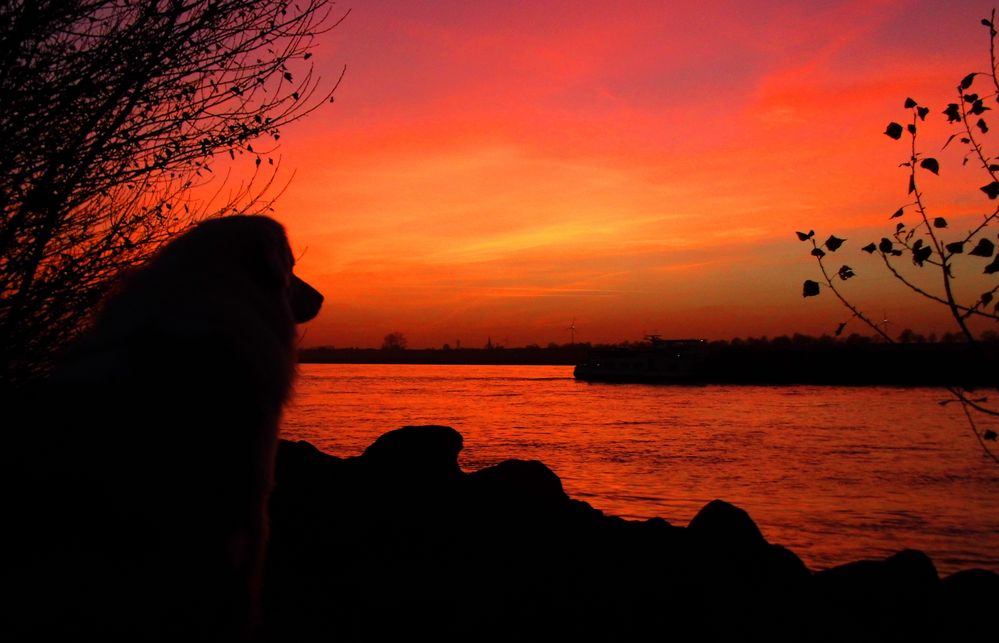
(572, 332)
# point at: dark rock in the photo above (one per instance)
(913, 570)
(974, 587)
(400, 544)
(724, 524)
(970, 598)
(907, 573)
(305, 452)
(307, 467)
(310, 481)
(658, 523)
(783, 569)
(754, 588)
(523, 484)
(426, 453)
(892, 599)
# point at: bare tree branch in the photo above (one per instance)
(116, 113)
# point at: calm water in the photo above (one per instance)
(836, 474)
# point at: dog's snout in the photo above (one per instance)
(305, 300)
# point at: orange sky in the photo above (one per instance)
(498, 169)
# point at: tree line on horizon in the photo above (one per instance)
(397, 341)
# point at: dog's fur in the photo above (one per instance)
(167, 417)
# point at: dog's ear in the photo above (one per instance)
(305, 300)
(269, 263)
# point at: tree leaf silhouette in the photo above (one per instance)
(992, 267)
(986, 298)
(885, 245)
(870, 248)
(894, 130)
(909, 103)
(930, 164)
(912, 184)
(985, 248)
(921, 254)
(911, 127)
(990, 435)
(898, 213)
(922, 111)
(845, 272)
(810, 288)
(955, 248)
(967, 80)
(940, 222)
(839, 329)
(805, 237)
(818, 252)
(833, 243)
(949, 139)
(953, 113)
(978, 107)
(992, 189)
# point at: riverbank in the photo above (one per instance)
(560, 356)
(401, 544)
(785, 363)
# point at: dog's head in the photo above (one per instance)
(255, 245)
(267, 256)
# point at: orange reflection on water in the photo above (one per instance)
(836, 474)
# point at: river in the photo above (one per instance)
(834, 473)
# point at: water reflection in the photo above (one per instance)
(836, 474)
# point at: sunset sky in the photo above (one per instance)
(500, 169)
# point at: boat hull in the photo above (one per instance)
(668, 363)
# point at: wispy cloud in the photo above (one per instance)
(489, 164)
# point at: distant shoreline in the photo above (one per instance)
(839, 363)
(455, 356)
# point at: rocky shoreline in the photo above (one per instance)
(400, 544)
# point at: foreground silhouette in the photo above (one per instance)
(136, 479)
(401, 544)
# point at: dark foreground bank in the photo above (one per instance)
(401, 544)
